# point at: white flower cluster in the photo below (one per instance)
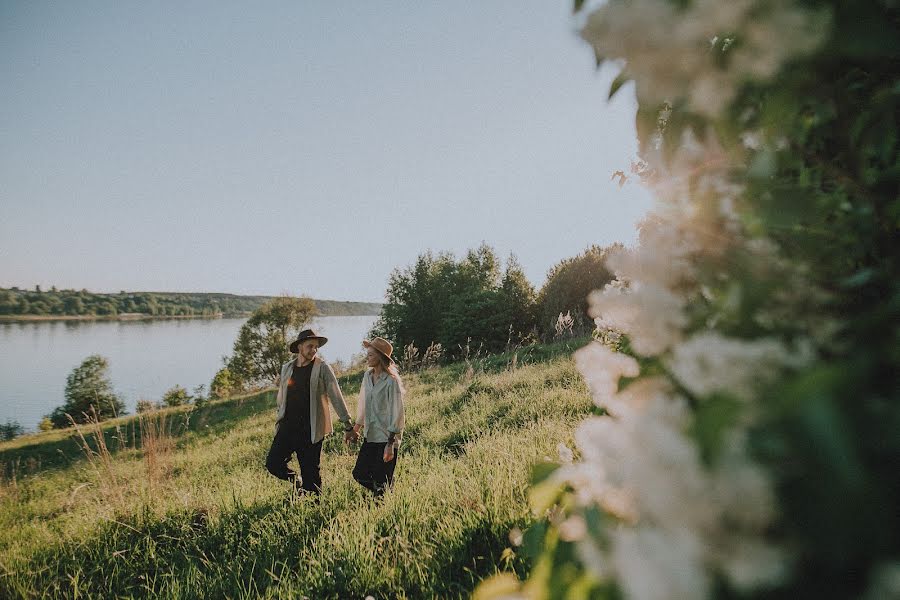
(681, 521)
(709, 362)
(680, 516)
(701, 53)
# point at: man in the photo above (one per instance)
(303, 418)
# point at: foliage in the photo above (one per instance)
(176, 396)
(145, 406)
(751, 391)
(89, 394)
(16, 302)
(441, 300)
(224, 384)
(568, 285)
(10, 430)
(262, 343)
(200, 398)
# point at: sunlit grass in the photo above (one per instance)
(192, 512)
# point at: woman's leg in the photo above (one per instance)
(363, 471)
(385, 475)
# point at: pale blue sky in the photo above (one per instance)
(300, 147)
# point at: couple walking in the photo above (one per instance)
(306, 386)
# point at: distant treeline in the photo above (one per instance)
(53, 302)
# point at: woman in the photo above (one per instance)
(380, 414)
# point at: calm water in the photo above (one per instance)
(146, 357)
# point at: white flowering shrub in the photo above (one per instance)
(747, 441)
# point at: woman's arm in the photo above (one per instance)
(398, 415)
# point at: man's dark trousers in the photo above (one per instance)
(288, 441)
(371, 471)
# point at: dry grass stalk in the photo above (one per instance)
(156, 444)
(101, 459)
(9, 486)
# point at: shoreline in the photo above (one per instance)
(132, 317)
(122, 317)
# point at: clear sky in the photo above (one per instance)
(300, 147)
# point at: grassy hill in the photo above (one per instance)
(190, 512)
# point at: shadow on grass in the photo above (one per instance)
(145, 555)
(125, 434)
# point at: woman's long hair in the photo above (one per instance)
(391, 369)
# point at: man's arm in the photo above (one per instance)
(336, 397)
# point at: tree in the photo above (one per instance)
(517, 301)
(454, 303)
(10, 430)
(568, 285)
(223, 385)
(73, 305)
(88, 393)
(8, 303)
(262, 343)
(176, 396)
(200, 398)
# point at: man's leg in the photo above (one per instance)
(279, 456)
(309, 456)
(363, 471)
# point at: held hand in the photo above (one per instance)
(388, 453)
(350, 437)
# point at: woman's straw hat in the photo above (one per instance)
(380, 345)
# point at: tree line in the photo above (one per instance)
(476, 300)
(54, 302)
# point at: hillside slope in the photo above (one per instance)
(194, 514)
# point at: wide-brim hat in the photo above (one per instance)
(380, 345)
(307, 334)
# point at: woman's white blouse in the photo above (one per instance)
(380, 408)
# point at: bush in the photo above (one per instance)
(568, 285)
(200, 398)
(224, 384)
(88, 394)
(145, 406)
(749, 434)
(10, 430)
(176, 396)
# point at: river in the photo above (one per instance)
(146, 358)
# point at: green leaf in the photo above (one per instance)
(544, 495)
(542, 471)
(859, 278)
(533, 540)
(616, 85)
(598, 58)
(577, 6)
(714, 416)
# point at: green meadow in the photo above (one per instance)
(177, 504)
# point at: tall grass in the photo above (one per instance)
(199, 516)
